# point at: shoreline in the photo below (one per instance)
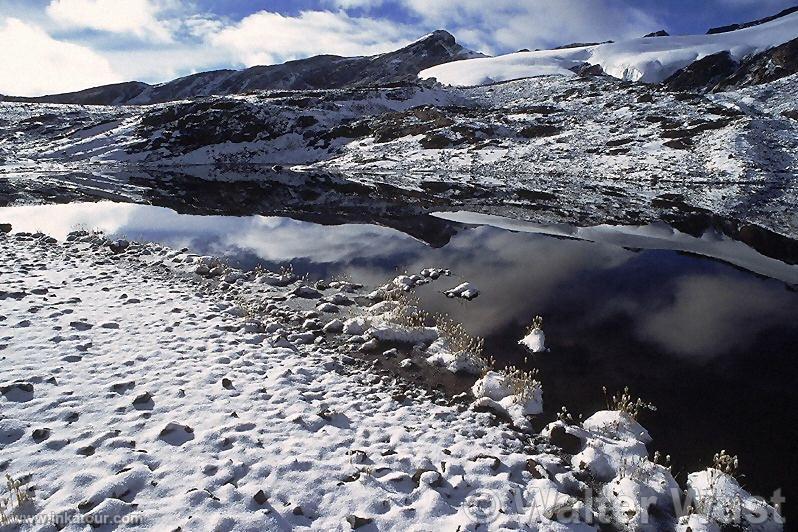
(327, 440)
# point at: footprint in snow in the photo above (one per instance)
(10, 431)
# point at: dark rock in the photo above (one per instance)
(356, 521)
(569, 443)
(305, 121)
(539, 130)
(118, 246)
(142, 399)
(227, 384)
(702, 74)
(679, 144)
(298, 510)
(176, 434)
(39, 435)
(660, 33)
(5, 228)
(86, 451)
(618, 142)
(435, 141)
(17, 386)
(790, 114)
(587, 70)
(260, 497)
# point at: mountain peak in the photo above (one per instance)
(442, 35)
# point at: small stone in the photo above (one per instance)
(428, 476)
(144, 398)
(406, 364)
(227, 384)
(24, 387)
(39, 435)
(334, 327)
(260, 497)
(86, 451)
(298, 510)
(328, 308)
(118, 246)
(356, 521)
(370, 346)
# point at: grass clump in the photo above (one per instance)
(626, 402)
(13, 500)
(464, 347)
(726, 463)
(536, 325)
(523, 384)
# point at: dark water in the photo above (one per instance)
(711, 342)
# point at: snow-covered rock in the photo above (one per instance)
(464, 290)
(535, 341)
(494, 391)
(720, 498)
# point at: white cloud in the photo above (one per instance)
(265, 38)
(355, 4)
(134, 17)
(32, 63)
(508, 24)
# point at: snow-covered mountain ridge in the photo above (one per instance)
(647, 60)
(319, 72)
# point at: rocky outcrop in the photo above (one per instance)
(776, 63)
(704, 73)
(734, 27)
(719, 72)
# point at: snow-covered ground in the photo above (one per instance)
(648, 60)
(147, 387)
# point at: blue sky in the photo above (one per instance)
(51, 46)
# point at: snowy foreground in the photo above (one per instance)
(145, 387)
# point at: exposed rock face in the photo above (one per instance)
(660, 33)
(776, 63)
(733, 27)
(704, 73)
(322, 71)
